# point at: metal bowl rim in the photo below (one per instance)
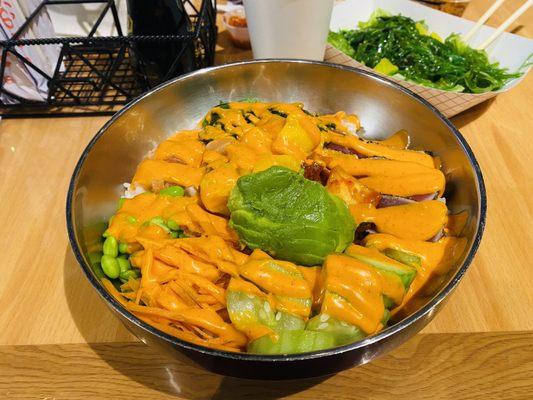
(390, 331)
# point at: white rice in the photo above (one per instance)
(350, 126)
(132, 190)
(190, 191)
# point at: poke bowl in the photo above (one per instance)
(382, 108)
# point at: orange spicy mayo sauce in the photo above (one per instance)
(353, 293)
(435, 258)
(420, 220)
(189, 257)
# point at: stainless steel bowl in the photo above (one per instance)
(383, 106)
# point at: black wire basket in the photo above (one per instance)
(96, 75)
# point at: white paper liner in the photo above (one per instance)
(511, 50)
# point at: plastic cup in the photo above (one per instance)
(288, 28)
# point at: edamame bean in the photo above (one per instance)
(110, 266)
(123, 248)
(123, 264)
(111, 246)
(174, 235)
(173, 225)
(159, 221)
(174, 191)
(121, 202)
(129, 274)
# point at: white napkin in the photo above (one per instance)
(21, 79)
(43, 28)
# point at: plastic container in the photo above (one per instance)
(236, 24)
(454, 7)
(288, 28)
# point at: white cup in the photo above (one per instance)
(288, 28)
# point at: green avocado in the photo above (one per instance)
(290, 217)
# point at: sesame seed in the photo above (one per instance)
(323, 317)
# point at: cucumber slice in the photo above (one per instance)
(391, 296)
(378, 260)
(290, 342)
(288, 322)
(386, 317)
(389, 303)
(403, 257)
(246, 310)
(342, 332)
(254, 273)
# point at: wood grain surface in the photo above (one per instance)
(49, 311)
(439, 366)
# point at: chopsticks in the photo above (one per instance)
(482, 20)
(501, 28)
(506, 24)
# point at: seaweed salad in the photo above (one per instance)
(398, 46)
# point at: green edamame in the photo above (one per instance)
(129, 274)
(123, 248)
(121, 202)
(111, 246)
(159, 221)
(173, 225)
(174, 191)
(123, 264)
(110, 266)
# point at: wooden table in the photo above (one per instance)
(59, 341)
